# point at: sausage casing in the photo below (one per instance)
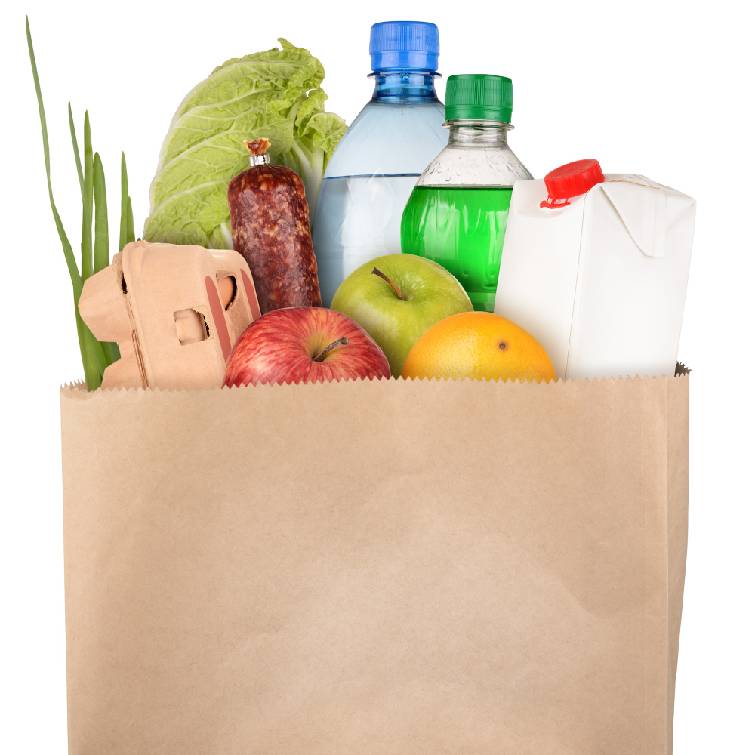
(271, 230)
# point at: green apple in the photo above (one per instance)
(396, 298)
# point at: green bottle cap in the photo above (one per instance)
(479, 97)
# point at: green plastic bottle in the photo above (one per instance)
(458, 210)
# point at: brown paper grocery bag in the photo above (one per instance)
(375, 567)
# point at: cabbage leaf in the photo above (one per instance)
(274, 94)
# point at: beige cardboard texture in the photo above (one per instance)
(175, 311)
(375, 567)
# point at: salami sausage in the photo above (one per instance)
(270, 227)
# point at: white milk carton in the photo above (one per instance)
(596, 267)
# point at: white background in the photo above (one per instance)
(659, 88)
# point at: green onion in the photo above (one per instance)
(75, 145)
(130, 223)
(102, 240)
(101, 236)
(127, 215)
(87, 199)
(95, 355)
(73, 270)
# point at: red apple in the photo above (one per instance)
(304, 345)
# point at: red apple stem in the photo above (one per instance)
(330, 347)
(396, 290)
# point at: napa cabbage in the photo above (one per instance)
(274, 94)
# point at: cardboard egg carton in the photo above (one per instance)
(175, 312)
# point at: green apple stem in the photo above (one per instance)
(396, 290)
(330, 347)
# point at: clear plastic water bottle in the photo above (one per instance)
(374, 168)
(457, 214)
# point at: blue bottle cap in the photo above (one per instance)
(404, 45)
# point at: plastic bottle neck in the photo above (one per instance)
(477, 134)
(404, 86)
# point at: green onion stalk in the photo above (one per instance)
(95, 237)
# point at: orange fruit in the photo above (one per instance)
(478, 345)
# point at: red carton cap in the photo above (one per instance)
(571, 180)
